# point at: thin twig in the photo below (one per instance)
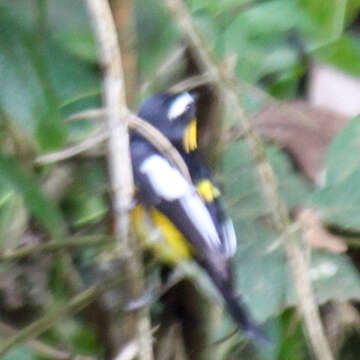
(167, 67)
(153, 135)
(13, 254)
(137, 325)
(87, 114)
(71, 151)
(44, 349)
(124, 18)
(190, 83)
(76, 304)
(280, 217)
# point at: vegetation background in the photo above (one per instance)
(297, 67)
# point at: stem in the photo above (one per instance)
(137, 324)
(149, 132)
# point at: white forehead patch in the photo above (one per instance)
(179, 105)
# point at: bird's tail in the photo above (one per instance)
(234, 303)
(239, 313)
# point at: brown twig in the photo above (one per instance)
(71, 151)
(190, 83)
(124, 18)
(154, 136)
(87, 114)
(279, 213)
(137, 325)
(166, 68)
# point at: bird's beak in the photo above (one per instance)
(190, 136)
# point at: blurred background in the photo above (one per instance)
(297, 67)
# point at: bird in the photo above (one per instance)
(188, 213)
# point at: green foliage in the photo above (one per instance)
(157, 38)
(343, 53)
(339, 204)
(242, 189)
(21, 352)
(339, 200)
(49, 70)
(27, 186)
(342, 160)
(334, 277)
(84, 201)
(260, 260)
(40, 76)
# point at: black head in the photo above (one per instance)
(169, 113)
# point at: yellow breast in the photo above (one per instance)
(171, 247)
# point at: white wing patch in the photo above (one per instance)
(179, 105)
(201, 218)
(170, 185)
(166, 181)
(230, 241)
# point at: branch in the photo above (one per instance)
(71, 151)
(124, 15)
(279, 213)
(190, 83)
(153, 135)
(167, 67)
(137, 325)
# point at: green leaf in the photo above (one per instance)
(49, 132)
(213, 8)
(333, 278)
(242, 190)
(343, 155)
(259, 37)
(261, 272)
(339, 201)
(293, 344)
(84, 201)
(328, 15)
(39, 77)
(157, 37)
(343, 53)
(339, 204)
(79, 42)
(20, 353)
(26, 185)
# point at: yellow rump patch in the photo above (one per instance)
(169, 248)
(190, 136)
(207, 190)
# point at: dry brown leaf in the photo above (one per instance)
(304, 131)
(316, 234)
